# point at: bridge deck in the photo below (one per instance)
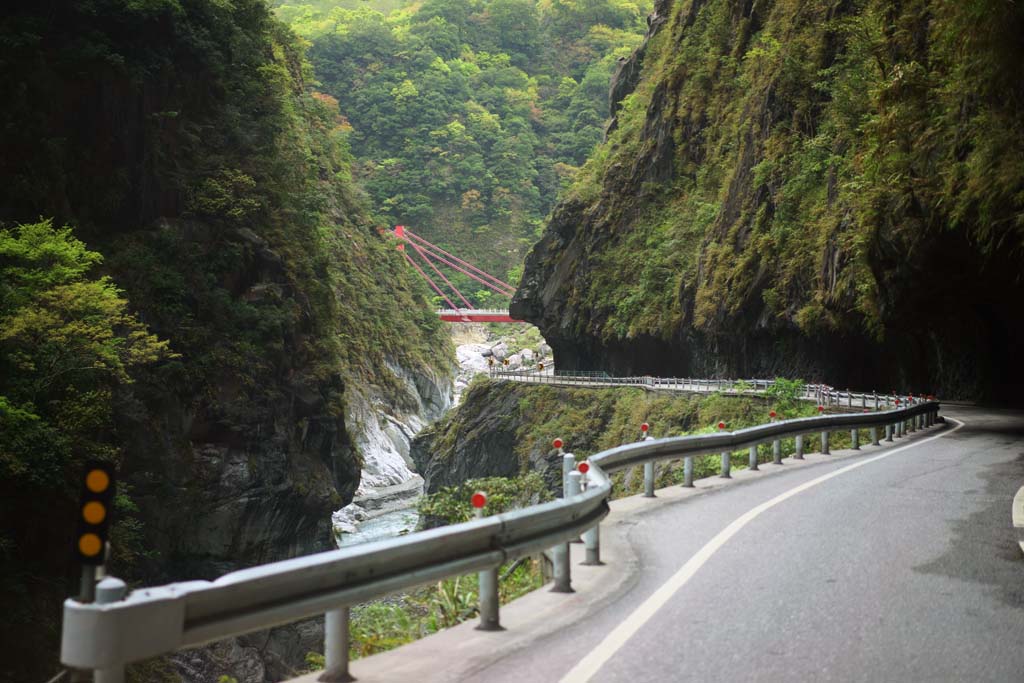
(465, 315)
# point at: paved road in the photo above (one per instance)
(892, 564)
(903, 569)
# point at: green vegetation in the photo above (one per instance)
(801, 164)
(466, 117)
(393, 621)
(450, 504)
(388, 623)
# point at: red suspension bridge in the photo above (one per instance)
(434, 257)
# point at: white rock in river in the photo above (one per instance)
(526, 355)
(500, 350)
(471, 358)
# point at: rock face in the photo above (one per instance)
(481, 439)
(805, 189)
(388, 479)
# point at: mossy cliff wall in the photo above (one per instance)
(182, 139)
(830, 189)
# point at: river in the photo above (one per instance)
(384, 506)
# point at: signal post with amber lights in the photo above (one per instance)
(90, 549)
(93, 525)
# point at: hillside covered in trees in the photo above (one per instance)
(830, 189)
(189, 288)
(466, 117)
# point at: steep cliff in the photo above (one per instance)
(830, 189)
(183, 141)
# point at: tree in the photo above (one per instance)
(67, 341)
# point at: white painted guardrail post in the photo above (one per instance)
(874, 436)
(568, 465)
(799, 447)
(110, 590)
(592, 536)
(336, 643)
(487, 580)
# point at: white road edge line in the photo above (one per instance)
(606, 649)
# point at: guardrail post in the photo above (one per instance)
(874, 436)
(110, 590)
(888, 432)
(799, 447)
(560, 553)
(824, 443)
(488, 585)
(855, 439)
(648, 466)
(592, 545)
(592, 536)
(568, 465)
(899, 429)
(753, 457)
(726, 456)
(336, 647)
(649, 479)
(777, 451)
(688, 471)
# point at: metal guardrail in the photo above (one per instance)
(824, 394)
(115, 630)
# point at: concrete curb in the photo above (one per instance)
(1018, 516)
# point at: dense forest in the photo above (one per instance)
(191, 288)
(467, 117)
(827, 189)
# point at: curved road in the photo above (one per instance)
(901, 566)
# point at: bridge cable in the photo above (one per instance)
(441, 275)
(494, 283)
(431, 282)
